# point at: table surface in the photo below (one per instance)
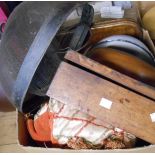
(8, 131)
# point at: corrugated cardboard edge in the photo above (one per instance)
(23, 139)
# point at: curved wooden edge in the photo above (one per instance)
(122, 79)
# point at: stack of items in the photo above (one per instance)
(60, 125)
(126, 54)
(116, 44)
(86, 118)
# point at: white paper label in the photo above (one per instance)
(112, 12)
(106, 103)
(152, 117)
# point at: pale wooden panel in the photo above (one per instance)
(12, 148)
(8, 132)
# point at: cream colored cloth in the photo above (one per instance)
(69, 122)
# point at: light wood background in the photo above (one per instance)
(8, 132)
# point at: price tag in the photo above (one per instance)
(106, 103)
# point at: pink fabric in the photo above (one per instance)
(3, 15)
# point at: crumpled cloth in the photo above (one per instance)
(64, 125)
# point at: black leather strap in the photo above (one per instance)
(83, 28)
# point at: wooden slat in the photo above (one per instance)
(111, 74)
(8, 133)
(11, 148)
(129, 111)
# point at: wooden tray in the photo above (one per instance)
(106, 94)
(114, 27)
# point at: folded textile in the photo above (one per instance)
(64, 125)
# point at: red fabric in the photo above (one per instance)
(40, 129)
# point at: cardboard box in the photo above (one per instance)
(27, 144)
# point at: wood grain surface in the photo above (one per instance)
(8, 131)
(129, 110)
(111, 74)
(114, 27)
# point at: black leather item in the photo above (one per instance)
(28, 34)
(83, 28)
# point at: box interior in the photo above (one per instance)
(25, 141)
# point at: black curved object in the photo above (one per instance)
(27, 43)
